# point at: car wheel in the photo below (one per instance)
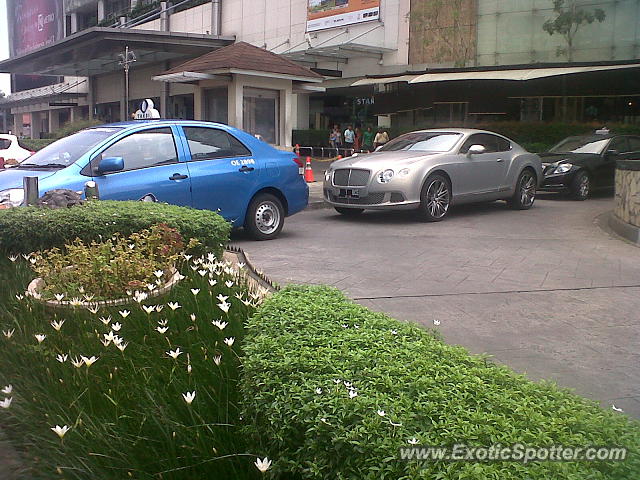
(580, 186)
(525, 193)
(265, 217)
(349, 212)
(435, 198)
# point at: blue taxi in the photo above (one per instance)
(191, 163)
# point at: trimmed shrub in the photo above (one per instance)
(29, 229)
(35, 144)
(333, 390)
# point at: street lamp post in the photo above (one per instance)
(126, 59)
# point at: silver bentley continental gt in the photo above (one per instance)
(431, 170)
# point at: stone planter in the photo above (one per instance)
(625, 220)
(37, 284)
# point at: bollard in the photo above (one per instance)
(31, 192)
(91, 191)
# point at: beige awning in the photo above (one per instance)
(517, 75)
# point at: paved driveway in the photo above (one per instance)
(545, 291)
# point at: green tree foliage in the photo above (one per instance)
(568, 20)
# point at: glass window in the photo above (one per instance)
(260, 114)
(581, 145)
(209, 143)
(489, 142)
(422, 142)
(4, 143)
(634, 144)
(504, 145)
(619, 144)
(145, 149)
(68, 150)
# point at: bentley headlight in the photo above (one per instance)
(385, 176)
(563, 168)
(13, 197)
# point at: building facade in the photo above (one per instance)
(390, 62)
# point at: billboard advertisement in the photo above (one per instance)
(322, 14)
(33, 24)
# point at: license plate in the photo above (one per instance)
(349, 193)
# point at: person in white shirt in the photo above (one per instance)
(349, 137)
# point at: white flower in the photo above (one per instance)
(105, 342)
(202, 272)
(6, 403)
(140, 296)
(121, 345)
(224, 306)
(149, 309)
(75, 302)
(221, 298)
(26, 256)
(109, 337)
(217, 359)
(262, 465)
(353, 394)
(57, 325)
(381, 413)
(9, 333)
(40, 338)
(13, 258)
(162, 330)
(240, 265)
(159, 308)
(193, 317)
(89, 361)
(180, 277)
(174, 353)
(62, 358)
(116, 327)
(77, 363)
(151, 287)
(124, 313)
(616, 408)
(212, 282)
(412, 441)
(337, 381)
(81, 290)
(229, 283)
(60, 431)
(88, 298)
(436, 322)
(319, 391)
(173, 305)
(7, 390)
(105, 320)
(195, 291)
(229, 341)
(93, 310)
(187, 257)
(158, 273)
(59, 296)
(219, 324)
(189, 368)
(394, 332)
(189, 396)
(131, 246)
(19, 297)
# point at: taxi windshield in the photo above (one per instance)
(68, 150)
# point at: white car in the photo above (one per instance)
(11, 152)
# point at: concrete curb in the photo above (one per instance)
(625, 230)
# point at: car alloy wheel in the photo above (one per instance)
(436, 198)
(265, 217)
(581, 186)
(525, 191)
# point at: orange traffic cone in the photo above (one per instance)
(308, 172)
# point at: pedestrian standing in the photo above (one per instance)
(358, 143)
(349, 138)
(367, 140)
(334, 138)
(381, 138)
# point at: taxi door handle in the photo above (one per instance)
(177, 176)
(246, 169)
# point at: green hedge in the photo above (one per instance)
(35, 144)
(28, 229)
(308, 338)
